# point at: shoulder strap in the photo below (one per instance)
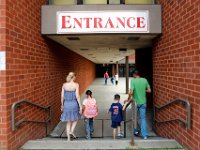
(91, 101)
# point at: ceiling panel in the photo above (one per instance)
(104, 48)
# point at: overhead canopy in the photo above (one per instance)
(102, 33)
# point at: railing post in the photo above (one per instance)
(135, 115)
(127, 74)
(122, 1)
(13, 117)
(79, 2)
(154, 117)
(132, 124)
(124, 118)
(188, 115)
(124, 129)
(49, 2)
(102, 128)
(46, 127)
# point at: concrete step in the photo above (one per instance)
(102, 127)
(100, 143)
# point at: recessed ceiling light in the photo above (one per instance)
(84, 49)
(73, 38)
(133, 38)
(123, 49)
(117, 54)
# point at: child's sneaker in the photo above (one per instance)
(136, 132)
(120, 135)
(88, 138)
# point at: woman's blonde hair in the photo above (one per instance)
(71, 76)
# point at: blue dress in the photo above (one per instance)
(71, 107)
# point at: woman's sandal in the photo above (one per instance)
(72, 136)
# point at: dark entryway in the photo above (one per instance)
(143, 63)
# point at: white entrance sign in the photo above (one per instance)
(102, 22)
(2, 60)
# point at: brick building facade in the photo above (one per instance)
(36, 67)
(176, 68)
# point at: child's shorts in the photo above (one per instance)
(115, 124)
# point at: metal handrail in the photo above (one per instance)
(102, 123)
(186, 103)
(15, 106)
(134, 115)
(124, 118)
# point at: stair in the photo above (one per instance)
(100, 143)
(103, 132)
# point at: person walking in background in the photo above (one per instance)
(106, 76)
(70, 105)
(116, 79)
(112, 79)
(90, 111)
(139, 86)
(116, 116)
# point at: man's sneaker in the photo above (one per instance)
(91, 133)
(145, 138)
(88, 138)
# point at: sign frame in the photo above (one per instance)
(89, 22)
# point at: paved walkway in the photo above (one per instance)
(104, 95)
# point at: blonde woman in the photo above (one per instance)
(70, 105)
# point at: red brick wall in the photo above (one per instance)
(36, 69)
(176, 69)
(3, 112)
